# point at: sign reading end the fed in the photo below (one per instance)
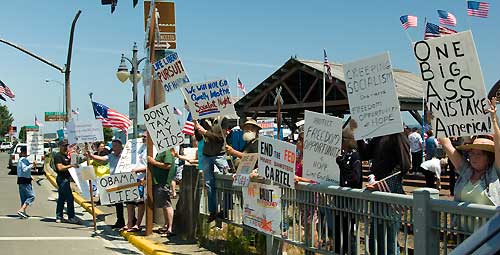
(277, 161)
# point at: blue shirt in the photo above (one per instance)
(24, 168)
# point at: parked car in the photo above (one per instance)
(5, 146)
(14, 158)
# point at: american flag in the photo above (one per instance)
(447, 18)
(408, 21)
(188, 128)
(75, 112)
(383, 186)
(478, 9)
(241, 87)
(433, 30)
(6, 91)
(177, 111)
(111, 118)
(327, 66)
(37, 122)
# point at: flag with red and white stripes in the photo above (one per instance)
(177, 111)
(188, 128)
(327, 66)
(447, 18)
(241, 87)
(6, 91)
(38, 123)
(408, 21)
(478, 9)
(111, 118)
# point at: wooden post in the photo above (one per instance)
(91, 190)
(188, 204)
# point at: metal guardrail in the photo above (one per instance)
(335, 220)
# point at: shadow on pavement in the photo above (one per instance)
(122, 250)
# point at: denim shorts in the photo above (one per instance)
(26, 193)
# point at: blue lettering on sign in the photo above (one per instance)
(170, 58)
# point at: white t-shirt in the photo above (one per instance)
(415, 142)
(433, 165)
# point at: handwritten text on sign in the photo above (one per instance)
(85, 131)
(453, 85)
(262, 207)
(209, 99)
(277, 161)
(118, 188)
(163, 127)
(322, 144)
(247, 164)
(130, 156)
(34, 140)
(171, 72)
(373, 100)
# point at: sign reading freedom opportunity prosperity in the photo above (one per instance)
(453, 85)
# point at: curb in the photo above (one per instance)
(144, 245)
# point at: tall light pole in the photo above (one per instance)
(122, 74)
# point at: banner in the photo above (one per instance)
(322, 144)
(88, 131)
(373, 100)
(170, 72)
(34, 142)
(209, 99)
(453, 85)
(262, 208)
(163, 127)
(118, 188)
(247, 164)
(277, 161)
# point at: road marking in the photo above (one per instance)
(18, 218)
(44, 238)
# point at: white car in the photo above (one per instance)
(5, 146)
(14, 158)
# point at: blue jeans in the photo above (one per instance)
(26, 193)
(208, 163)
(64, 195)
(391, 229)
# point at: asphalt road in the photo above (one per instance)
(40, 234)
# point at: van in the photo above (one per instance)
(14, 159)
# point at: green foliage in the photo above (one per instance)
(236, 242)
(108, 134)
(6, 120)
(22, 134)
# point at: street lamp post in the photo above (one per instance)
(122, 74)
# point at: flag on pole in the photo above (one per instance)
(75, 112)
(433, 30)
(241, 87)
(111, 118)
(37, 122)
(408, 21)
(188, 128)
(447, 18)
(177, 111)
(478, 9)
(327, 66)
(6, 91)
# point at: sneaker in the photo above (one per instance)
(58, 220)
(22, 214)
(73, 220)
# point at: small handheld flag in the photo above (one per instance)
(478, 9)
(433, 30)
(447, 18)
(188, 128)
(408, 21)
(241, 87)
(177, 111)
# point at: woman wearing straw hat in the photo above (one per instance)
(478, 181)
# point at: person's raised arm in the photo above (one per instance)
(496, 131)
(453, 155)
(159, 164)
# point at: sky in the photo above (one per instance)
(214, 39)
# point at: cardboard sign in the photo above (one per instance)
(453, 85)
(129, 157)
(373, 101)
(277, 161)
(171, 72)
(82, 183)
(88, 131)
(34, 141)
(209, 99)
(322, 144)
(87, 173)
(247, 164)
(268, 127)
(118, 188)
(163, 127)
(262, 208)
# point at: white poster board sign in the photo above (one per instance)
(453, 85)
(209, 99)
(247, 164)
(88, 131)
(268, 127)
(262, 208)
(129, 157)
(171, 72)
(322, 144)
(277, 161)
(81, 183)
(34, 141)
(118, 188)
(163, 127)
(373, 101)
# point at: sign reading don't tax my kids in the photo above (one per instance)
(209, 99)
(262, 207)
(171, 72)
(453, 85)
(163, 127)
(322, 143)
(277, 161)
(373, 101)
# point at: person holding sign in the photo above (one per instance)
(63, 164)
(250, 136)
(479, 174)
(24, 178)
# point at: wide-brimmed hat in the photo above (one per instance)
(251, 122)
(479, 144)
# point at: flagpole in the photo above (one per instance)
(324, 85)
(468, 18)
(408, 35)
(237, 96)
(425, 25)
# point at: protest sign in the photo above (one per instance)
(209, 99)
(247, 164)
(322, 144)
(34, 141)
(453, 85)
(277, 161)
(163, 127)
(81, 182)
(130, 156)
(262, 208)
(373, 101)
(87, 173)
(118, 188)
(268, 127)
(170, 72)
(88, 131)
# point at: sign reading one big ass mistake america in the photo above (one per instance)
(171, 72)
(277, 161)
(453, 85)
(209, 99)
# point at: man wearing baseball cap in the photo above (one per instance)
(63, 164)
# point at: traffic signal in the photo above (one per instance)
(113, 3)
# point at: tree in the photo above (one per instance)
(108, 134)
(22, 134)
(6, 120)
